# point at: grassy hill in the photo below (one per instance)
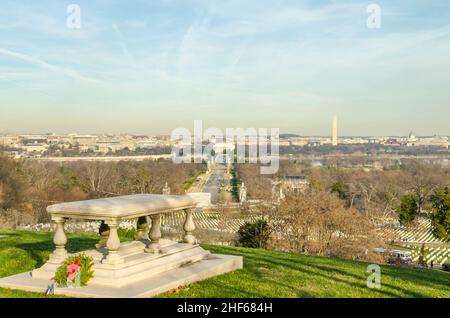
(265, 273)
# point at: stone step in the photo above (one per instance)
(143, 256)
(146, 267)
(132, 252)
(127, 249)
(212, 265)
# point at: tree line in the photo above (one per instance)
(27, 187)
(414, 189)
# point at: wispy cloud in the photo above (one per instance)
(54, 68)
(124, 46)
(234, 56)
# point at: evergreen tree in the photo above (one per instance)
(423, 256)
(408, 209)
(440, 217)
(339, 188)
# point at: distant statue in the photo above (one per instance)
(210, 164)
(166, 189)
(275, 193)
(243, 193)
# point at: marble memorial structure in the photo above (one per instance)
(144, 267)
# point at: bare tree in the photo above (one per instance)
(319, 223)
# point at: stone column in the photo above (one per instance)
(113, 244)
(189, 227)
(155, 234)
(142, 229)
(60, 241)
(104, 234)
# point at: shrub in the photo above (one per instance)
(254, 234)
(126, 233)
(446, 266)
(339, 188)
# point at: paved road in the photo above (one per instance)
(213, 185)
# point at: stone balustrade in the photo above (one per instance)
(111, 211)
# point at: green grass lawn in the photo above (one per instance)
(265, 273)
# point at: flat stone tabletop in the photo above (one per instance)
(122, 207)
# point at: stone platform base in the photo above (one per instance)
(140, 274)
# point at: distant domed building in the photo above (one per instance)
(411, 140)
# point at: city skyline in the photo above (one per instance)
(334, 135)
(150, 67)
(283, 134)
(89, 131)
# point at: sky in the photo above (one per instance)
(148, 67)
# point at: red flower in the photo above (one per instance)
(72, 267)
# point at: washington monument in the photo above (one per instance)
(334, 137)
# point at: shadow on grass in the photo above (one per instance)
(39, 251)
(255, 285)
(322, 268)
(329, 273)
(440, 280)
(7, 234)
(227, 290)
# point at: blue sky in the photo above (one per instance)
(151, 66)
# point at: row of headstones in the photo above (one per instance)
(439, 255)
